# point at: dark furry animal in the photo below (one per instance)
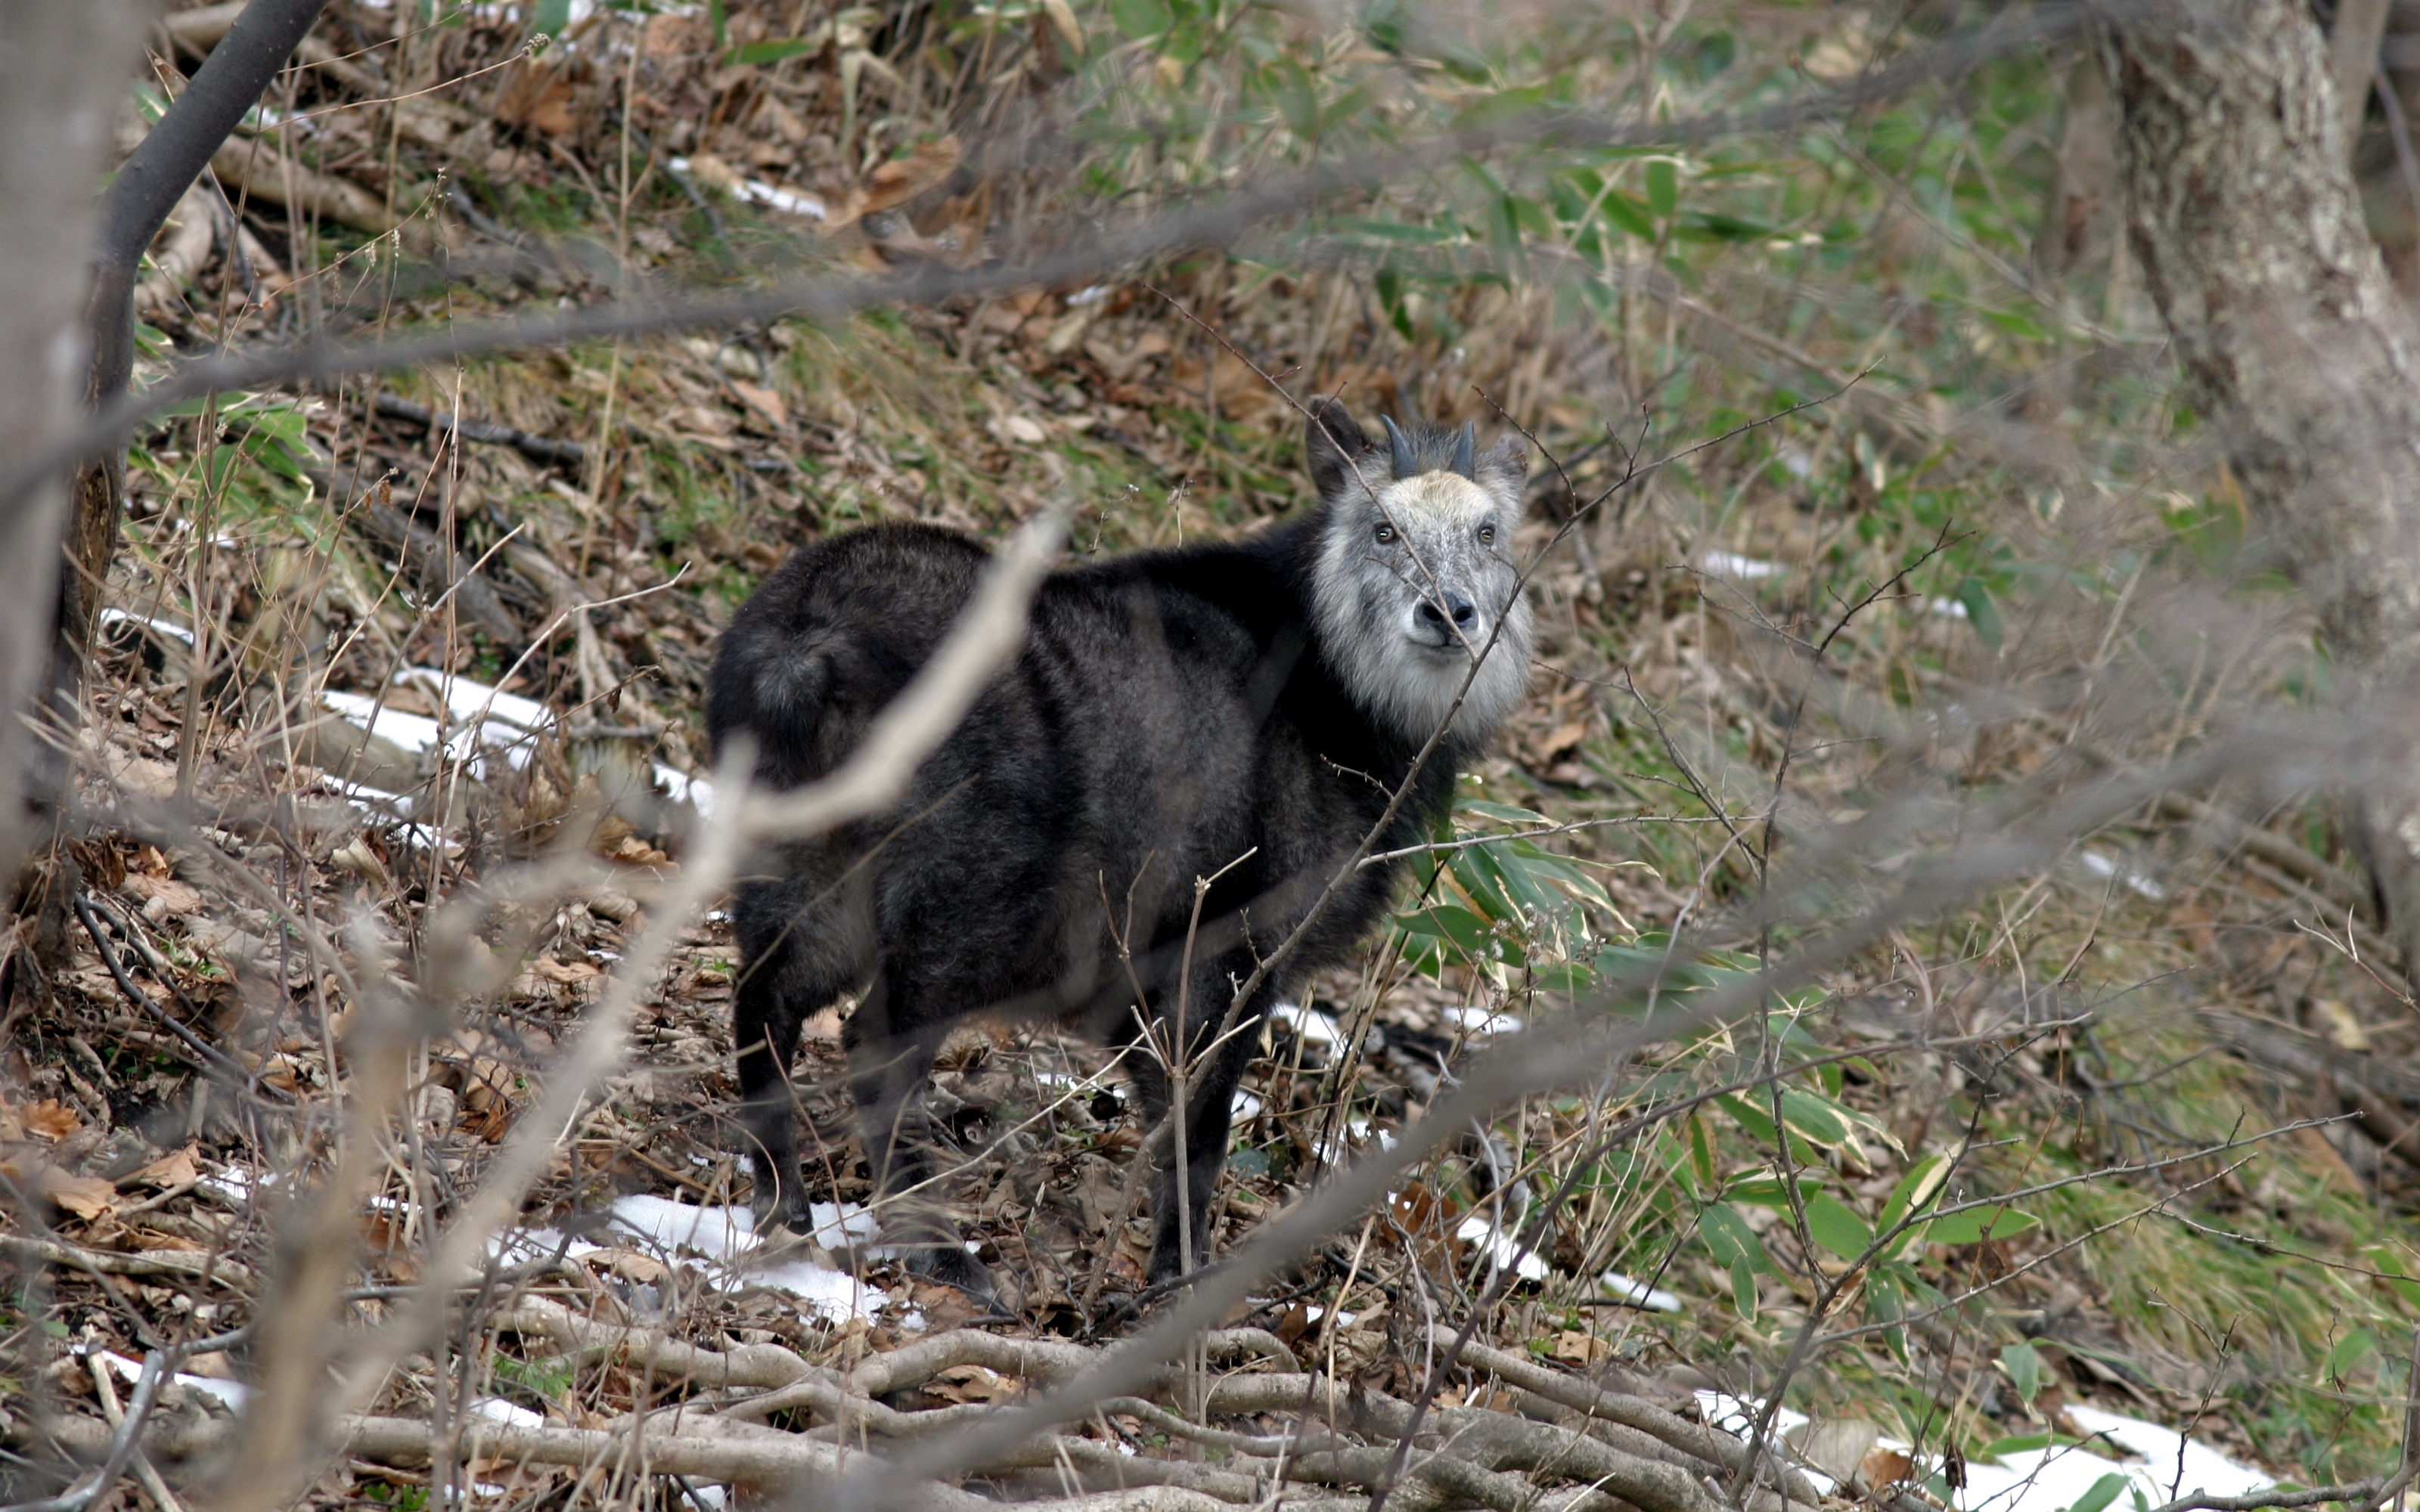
(1239, 710)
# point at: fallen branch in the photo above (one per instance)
(262, 172)
(537, 448)
(225, 1271)
(763, 1459)
(1694, 1440)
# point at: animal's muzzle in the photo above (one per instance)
(1433, 614)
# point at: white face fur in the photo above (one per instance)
(1415, 581)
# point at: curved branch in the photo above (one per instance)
(151, 181)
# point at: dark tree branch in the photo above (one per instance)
(152, 180)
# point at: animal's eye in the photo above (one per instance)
(1487, 535)
(1385, 533)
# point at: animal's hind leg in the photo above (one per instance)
(790, 967)
(890, 1050)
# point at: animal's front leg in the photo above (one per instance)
(890, 1059)
(764, 1023)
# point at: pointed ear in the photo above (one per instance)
(1331, 439)
(1504, 466)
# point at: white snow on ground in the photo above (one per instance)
(418, 734)
(772, 196)
(725, 1238)
(1480, 1020)
(1732, 565)
(466, 700)
(2101, 866)
(1481, 1228)
(166, 627)
(1638, 1293)
(2048, 1480)
(1314, 1026)
(230, 1392)
(512, 1415)
(2159, 1464)
(479, 718)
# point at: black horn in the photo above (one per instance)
(1464, 450)
(1401, 446)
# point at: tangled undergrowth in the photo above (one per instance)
(1848, 529)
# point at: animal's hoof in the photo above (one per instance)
(949, 1263)
(1163, 1272)
(777, 1215)
(1115, 1314)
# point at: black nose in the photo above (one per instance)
(1454, 603)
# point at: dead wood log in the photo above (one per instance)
(1694, 1438)
(260, 171)
(762, 1459)
(435, 565)
(764, 1365)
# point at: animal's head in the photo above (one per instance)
(1415, 579)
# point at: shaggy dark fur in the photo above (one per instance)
(1171, 714)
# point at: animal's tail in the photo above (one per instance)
(787, 696)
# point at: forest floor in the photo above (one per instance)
(366, 672)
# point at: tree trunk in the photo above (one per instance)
(147, 188)
(63, 67)
(2353, 59)
(2295, 345)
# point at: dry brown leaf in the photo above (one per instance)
(51, 1119)
(902, 179)
(536, 97)
(86, 1196)
(636, 851)
(764, 401)
(176, 1169)
(569, 973)
(1577, 1346)
(1884, 1467)
(173, 896)
(972, 1384)
(629, 1264)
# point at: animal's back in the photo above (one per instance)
(834, 634)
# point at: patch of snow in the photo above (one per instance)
(1481, 1021)
(1732, 565)
(511, 1414)
(1478, 1229)
(2101, 866)
(772, 196)
(1314, 1026)
(166, 627)
(229, 1394)
(420, 735)
(1638, 1293)
(1246, 1105)
(2055, 1478)
(467, 699)
(1738, 1418)
(1947, 606)
(1090, 294)
(682, 788)
(726, 1237)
